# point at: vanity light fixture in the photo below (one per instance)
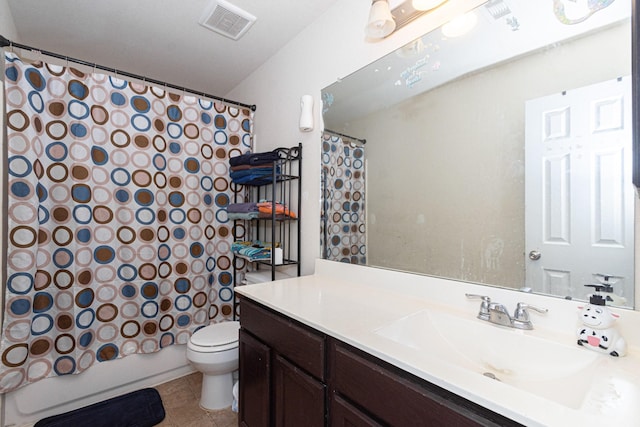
(386, 16)
(380, 23)
(425, 5)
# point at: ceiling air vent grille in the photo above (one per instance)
(497, 8)
(227, 19)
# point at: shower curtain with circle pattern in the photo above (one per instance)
(343, 176)
(118, 239)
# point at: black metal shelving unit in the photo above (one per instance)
(281, 230)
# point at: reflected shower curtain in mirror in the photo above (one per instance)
(118, 240)
(343, 213)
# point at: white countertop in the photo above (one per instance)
(351, 302)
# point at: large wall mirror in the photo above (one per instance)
(501, 155)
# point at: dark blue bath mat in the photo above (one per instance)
(142, 408)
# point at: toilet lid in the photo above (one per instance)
(217, 334)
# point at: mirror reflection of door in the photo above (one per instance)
(579, 195)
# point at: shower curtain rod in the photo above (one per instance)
(5, 42)
(363, 141)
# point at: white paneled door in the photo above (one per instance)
(579, 195)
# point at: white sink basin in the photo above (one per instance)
(555, 371)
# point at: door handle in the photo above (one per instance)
(534, 255)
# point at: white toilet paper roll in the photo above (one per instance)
(279, 257)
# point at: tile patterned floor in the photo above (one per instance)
(180, 398)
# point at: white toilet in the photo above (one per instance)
(213, 350)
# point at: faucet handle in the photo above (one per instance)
(524, 306)
(482, 297)
(522, 312)
(484, 305)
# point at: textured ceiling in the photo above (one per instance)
(161, 39)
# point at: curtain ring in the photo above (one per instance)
(38, 56)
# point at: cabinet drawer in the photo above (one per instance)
(299, 344)
(399, 398)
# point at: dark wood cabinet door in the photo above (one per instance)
(285, 381)
(299, 399)
(255, 374)
(343, 414)
(300, 344)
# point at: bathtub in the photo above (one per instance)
(52, 396)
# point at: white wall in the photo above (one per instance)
(330, 48)
(7, 27)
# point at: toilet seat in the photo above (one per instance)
(217, 337)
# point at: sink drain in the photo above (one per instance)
(491, 375)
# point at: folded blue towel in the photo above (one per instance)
(259, 172)
(255, 176)
(253, 251)
(254, 158)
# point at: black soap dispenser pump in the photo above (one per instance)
(604, 290)
(595, 298)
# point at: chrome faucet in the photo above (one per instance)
(497, 313)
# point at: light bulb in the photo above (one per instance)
(426, 4)
(460, 25)
(380, 23)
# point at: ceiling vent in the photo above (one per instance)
(227, 19)
(497, 8)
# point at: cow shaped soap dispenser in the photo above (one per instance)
(598, 331)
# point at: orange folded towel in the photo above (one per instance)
(267, 208)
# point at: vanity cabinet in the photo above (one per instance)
(293, 375)
(366, 391)
(282, 370)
